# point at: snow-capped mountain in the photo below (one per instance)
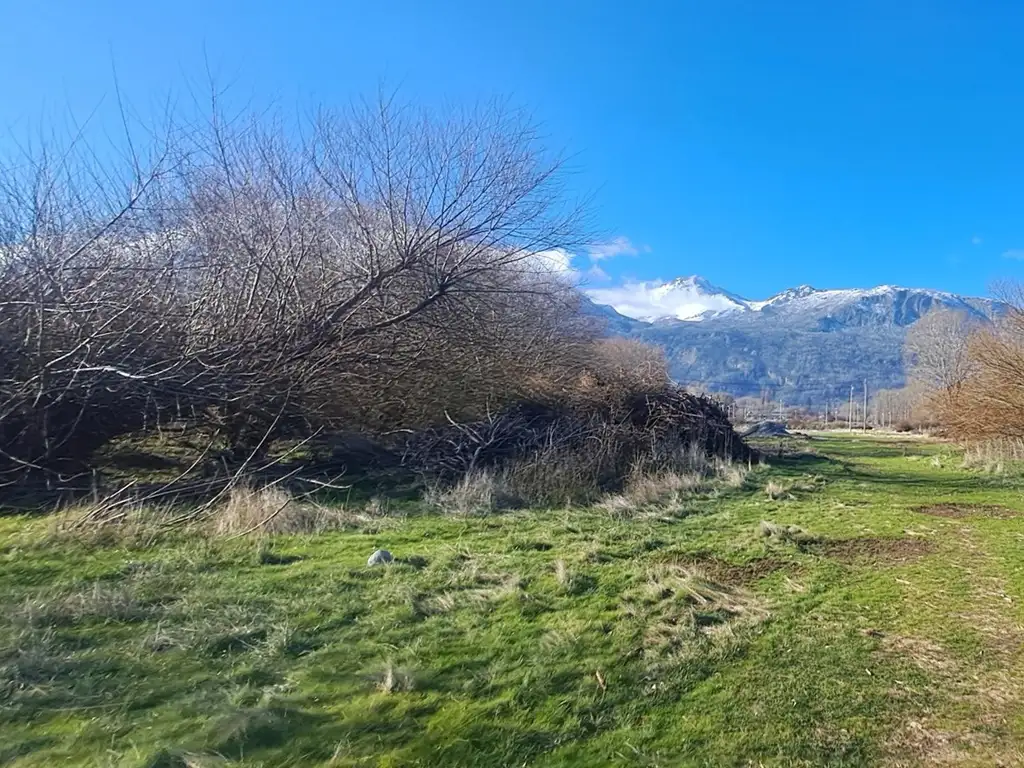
(694, 299)
(803, 345)
(685, 298)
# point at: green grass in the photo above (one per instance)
(553, 638)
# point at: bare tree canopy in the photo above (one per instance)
(936, 350)
(976, 372)
(263, 280)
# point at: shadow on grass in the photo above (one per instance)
(12, 750)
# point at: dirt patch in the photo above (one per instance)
(959, 511)
(733, 575)
(872, 549)
(926, 654)
(971, 699)
(979, 738)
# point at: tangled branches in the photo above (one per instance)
(265, 286)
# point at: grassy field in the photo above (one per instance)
(889, 632)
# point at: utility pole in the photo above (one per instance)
(850, 420)
(865, 405)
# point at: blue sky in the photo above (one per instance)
(760, 144)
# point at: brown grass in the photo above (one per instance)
(960, 511)
(791, 534)
(100, 603)
(775, 490)
(480, 492)
(391, 679)
(987, 689)
(272, 510)
(874, 549)
(733, 575)
(667, 488)
(681, 611)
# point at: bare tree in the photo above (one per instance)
(253, 278)
(990, 403)
(936, 351)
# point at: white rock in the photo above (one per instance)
(380, 557)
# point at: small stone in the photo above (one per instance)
(380, 557)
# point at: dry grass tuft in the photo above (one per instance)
(393, 680)
(245, 510)
(267, 510)
(792, 534)
(95, 524)
(683, 613)
(470, 586)
(477, 493)
(562, 575)
(995, 455)
(570, 582)
(643, 491)
(558, 477)
(272, 510)
(100, 603)
(667, 488)
(775, 491)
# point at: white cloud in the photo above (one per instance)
(556, 260)
(976, 240)
(596, 273)
(620, 246)
(1014, 253)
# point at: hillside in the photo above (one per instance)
(803, 345)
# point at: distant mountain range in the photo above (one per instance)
(803, 346)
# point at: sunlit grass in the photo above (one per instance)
(558, 637)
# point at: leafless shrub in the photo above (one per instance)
(630, 363)
(936, 351)
(265, 286)
(984, 401)
(586, 444)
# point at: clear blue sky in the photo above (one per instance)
(760, 144)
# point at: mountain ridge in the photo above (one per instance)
(804, 345)
(695, 298)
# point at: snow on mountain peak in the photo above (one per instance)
(684, 298)
(693, 299)
(796, 293)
